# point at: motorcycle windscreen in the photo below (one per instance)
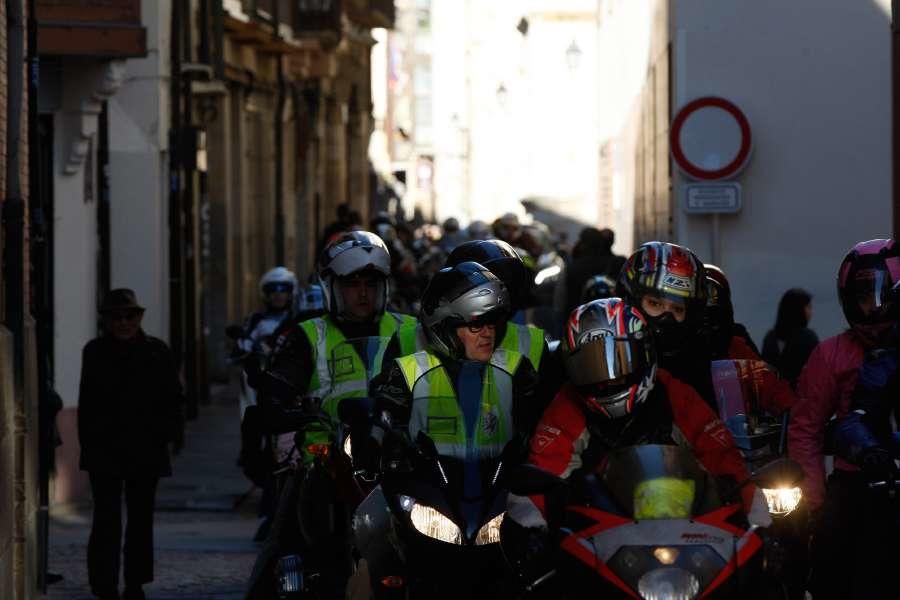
(607, 358)
(739, 385)
(656, 482)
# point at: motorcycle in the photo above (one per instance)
(762, 439)
(432, 510)
(307, 554)
(651, 523)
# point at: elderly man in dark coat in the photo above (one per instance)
(129, 410)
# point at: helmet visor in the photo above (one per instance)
(278, 286)
(870, 291)
(606, 359)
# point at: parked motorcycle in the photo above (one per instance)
(651, 523)
(431, 529)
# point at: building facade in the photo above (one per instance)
(191, 148)
(817, 98)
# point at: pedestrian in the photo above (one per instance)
(592, 256)
(129, 410)
(788, 346)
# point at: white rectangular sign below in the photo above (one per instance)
(712, 198)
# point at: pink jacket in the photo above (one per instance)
(824, 389)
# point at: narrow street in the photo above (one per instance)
(204, 547)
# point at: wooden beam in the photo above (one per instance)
(69, 40)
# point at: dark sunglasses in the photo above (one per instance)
(128, 315)
(477, 327)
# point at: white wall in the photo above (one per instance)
(813, 77)
(138, 167)
(75, 267)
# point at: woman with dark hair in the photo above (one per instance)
(789, 344)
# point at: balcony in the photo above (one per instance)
(101, 28)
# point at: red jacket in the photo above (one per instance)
(563, 435)
(824, 389)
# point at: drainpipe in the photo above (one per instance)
(175, 187)
(14, 283)
(895, 126)
(279, 144)
(14, 205)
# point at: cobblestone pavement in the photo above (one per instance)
(203, 544)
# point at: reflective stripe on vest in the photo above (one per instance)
(527, 340)
(436, 411)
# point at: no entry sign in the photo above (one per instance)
(710, 139)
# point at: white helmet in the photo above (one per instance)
(353, 252)
(279, 279)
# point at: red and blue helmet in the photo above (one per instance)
(609, 356)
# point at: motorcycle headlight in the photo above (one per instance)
(669, 583)
(430, 522)
(783, 500)
(490, 531)
(348, 447)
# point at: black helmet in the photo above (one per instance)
(609, 357)
(467, 293)
(718, 318)
(502, 260)
(598, 287)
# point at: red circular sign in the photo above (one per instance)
(695, 170)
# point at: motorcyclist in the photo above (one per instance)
(353, 272)
(841, 544)
(277, 288)
(503, 261)
(727, 338)
(730, 341)
(464, 314)
(667, 283)
(253, 346)
(598, 287)
(617, 396)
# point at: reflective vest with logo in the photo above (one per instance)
(527, 340)
(436, 411)
(339, 371)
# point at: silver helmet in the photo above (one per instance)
(467, 293)
(354, 252)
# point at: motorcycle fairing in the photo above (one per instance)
(595, 545)
(748, 542)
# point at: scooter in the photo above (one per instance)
(651, 523)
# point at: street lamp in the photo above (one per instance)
(502, 95)
(573, 55)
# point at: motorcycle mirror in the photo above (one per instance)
(782, 472)
(235, 332)
(426, 444)
(528, 480)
